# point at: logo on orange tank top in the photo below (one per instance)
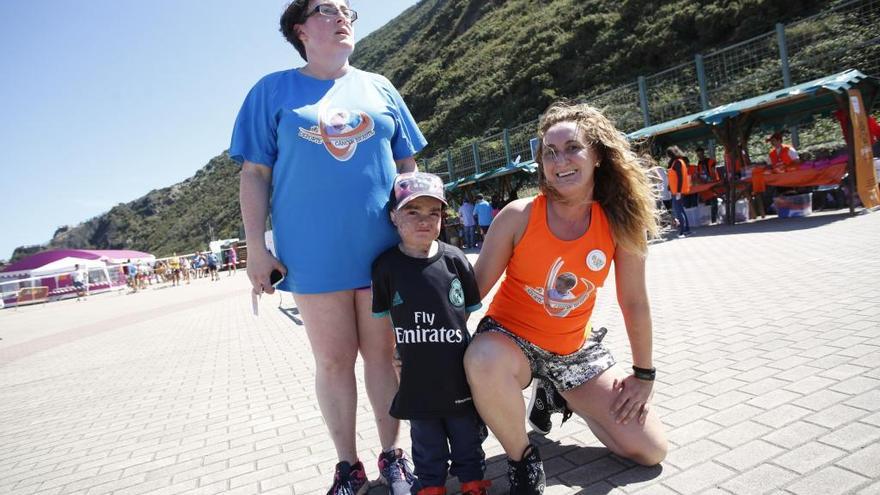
(559, 294)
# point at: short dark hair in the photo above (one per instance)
(293, 14)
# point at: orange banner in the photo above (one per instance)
(866, 177)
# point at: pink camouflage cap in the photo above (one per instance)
(411, 185)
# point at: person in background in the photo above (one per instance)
(429, 285)
(212, 266)
(708, 172)
(185, 268)
(496, 205)
(233, 260)
(466, 215)
(483, 215)
(79, 277)
(679, 185)
(174, 266)
(842, 117)
(783, 157)
(596, 207)
(329, 134)
(132, 275)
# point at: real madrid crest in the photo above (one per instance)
(456, 294)
(596, 260)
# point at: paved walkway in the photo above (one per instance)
(767, 345)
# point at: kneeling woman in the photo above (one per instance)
(595, 207)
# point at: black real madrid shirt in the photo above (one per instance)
(428, 299)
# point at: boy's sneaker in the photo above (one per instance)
(349, 480)
(526, 477)
(478, 487)
(395, 471)
(545, 401)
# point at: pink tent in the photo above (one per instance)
(111, 256)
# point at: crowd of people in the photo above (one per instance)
(375, 281)
(183, 269)
(675, 180)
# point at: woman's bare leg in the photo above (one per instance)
(643, 443)
(331, 325)
(376, 338)
(497, 371)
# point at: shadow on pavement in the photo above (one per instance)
(588, 469)
(292, 314)
(771, 224)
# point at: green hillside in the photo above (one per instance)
(179, 218)
(467, 68)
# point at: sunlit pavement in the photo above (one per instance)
(766, 345)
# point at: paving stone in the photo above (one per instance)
(693, 431)
(869, 401)
(795, 434)
(202, 390)
(808, 457)
(829, 481)
(735, 414)
(856, 385)
(873, 489)
(773, 399)
(700, 478)
(740, 433)
(695, 453)
(852, 436)
(809, 384)
(836, 415)
(782, 415)
(820, 400)
(748, 455)
(865, 461)
(763, 479)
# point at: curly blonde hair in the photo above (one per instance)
(621, 183)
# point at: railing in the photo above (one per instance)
(791, 54)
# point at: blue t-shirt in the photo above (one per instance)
(331, 146)
(483, 210)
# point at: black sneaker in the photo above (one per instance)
(545, 401)
(349, 480)
(526, 477)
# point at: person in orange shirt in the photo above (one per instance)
(783, 157)
(679, 185)
(706, 168)
(596, 207)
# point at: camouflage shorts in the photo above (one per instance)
(564, 371)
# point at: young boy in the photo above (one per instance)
(428, 288)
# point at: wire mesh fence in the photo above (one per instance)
(846, 36)
(673, 92)
(746, 69)
(621, 105)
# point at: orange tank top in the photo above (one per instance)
(549, 290)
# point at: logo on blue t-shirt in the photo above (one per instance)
(456, 294)
(340, 131)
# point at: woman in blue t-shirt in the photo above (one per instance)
(327, 140)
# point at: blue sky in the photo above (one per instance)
(105, 100)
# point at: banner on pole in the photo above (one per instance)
(866, 177)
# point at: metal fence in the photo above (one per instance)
(792, 54)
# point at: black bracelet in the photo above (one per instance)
(648, 374)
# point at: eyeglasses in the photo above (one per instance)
(332, 11)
